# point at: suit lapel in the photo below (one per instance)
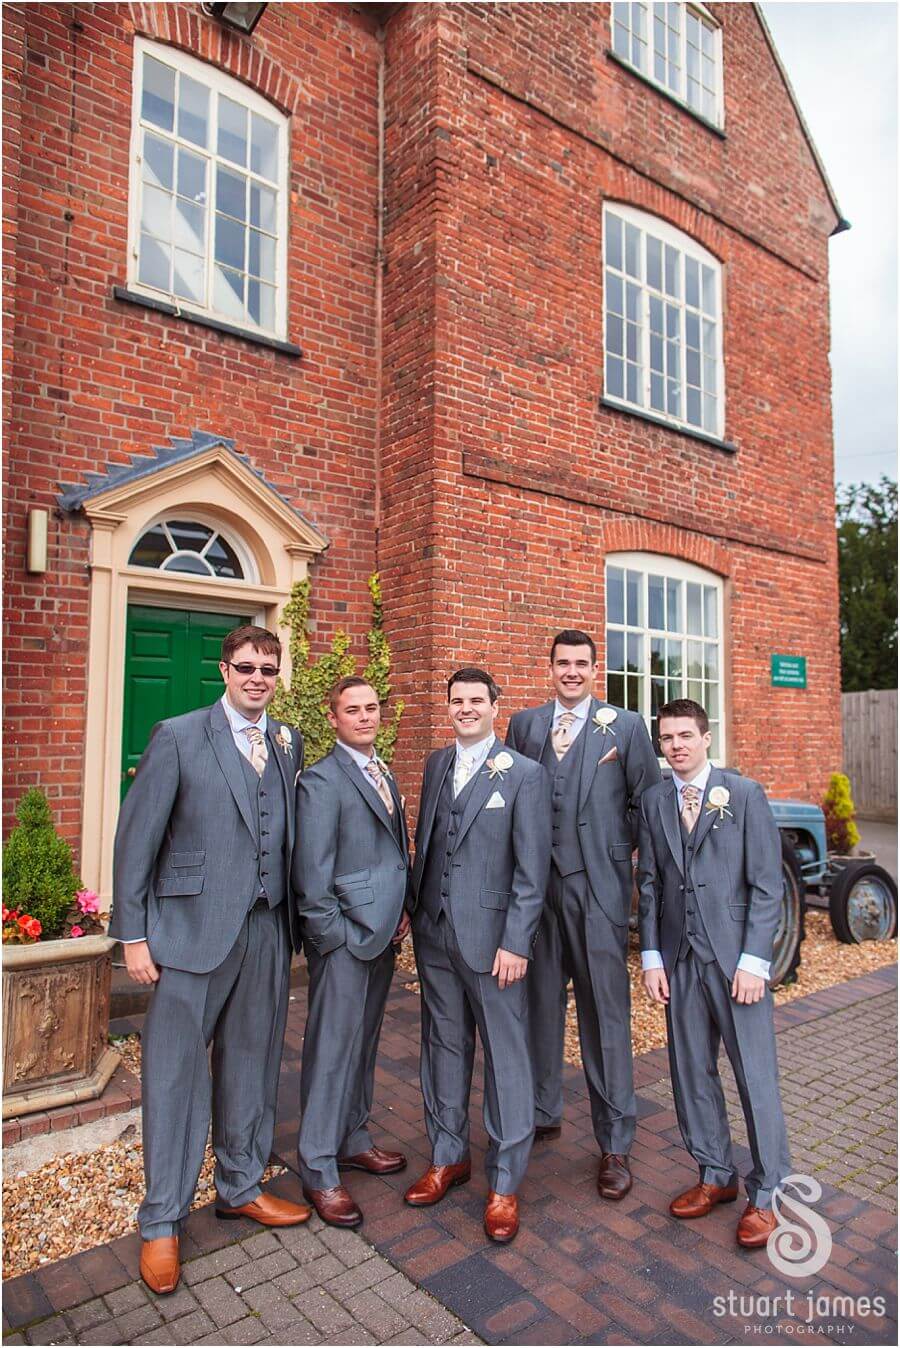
(707, 817)
(668, 811)
(229, 758)
(542, 725)
(368, 793)
(430, 802)
(589, 759)
(483, 786)
(401, 813)
(284, 761)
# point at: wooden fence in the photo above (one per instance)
(870, 751)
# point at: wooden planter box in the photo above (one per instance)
(56, 1023)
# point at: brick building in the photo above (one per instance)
(525, 305)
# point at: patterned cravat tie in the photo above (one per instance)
(376, 772)
(561, 737)
(461, 773)
(690, 806)
(258, 751)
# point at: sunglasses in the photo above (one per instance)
(245, 668)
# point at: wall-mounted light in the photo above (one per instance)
(38, 523)
(243, 17)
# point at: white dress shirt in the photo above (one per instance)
(361, 760)
(652, 959)
(579, 711)
(238, 724)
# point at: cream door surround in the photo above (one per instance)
(219, 484)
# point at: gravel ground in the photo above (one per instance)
(75, 1202)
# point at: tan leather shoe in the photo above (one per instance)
(375, 1161)
(268, 1211)
(335, 1206)
(701, 1199)
(160, 1264)
(501, 1217)
(755, 1227)
(434, 1184)
(614, 1176)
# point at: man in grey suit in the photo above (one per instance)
(350, 875)
(201, 866)
(710, 900)
(482, 855)
(600, 760)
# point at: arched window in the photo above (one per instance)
(191, 547)
(663, 322)
(664, 638)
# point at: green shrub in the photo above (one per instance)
(841, 831)
(38, 875)
(304, 703)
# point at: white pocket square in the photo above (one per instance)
(496, 802)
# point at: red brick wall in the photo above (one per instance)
(502, 484)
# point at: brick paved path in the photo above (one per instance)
(581, 1271)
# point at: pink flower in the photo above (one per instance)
(88, 901)
(34, 928)
(76, 931)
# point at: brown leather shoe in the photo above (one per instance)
(501, 1217)
(334, 1206)
(614, 1176)
(160, 1266)
(755, 1227)
(700, 1201)
(268, 1211)
(434, 1184)
(375, 1161)
(543, 1132)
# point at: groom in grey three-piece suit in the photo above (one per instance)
(600, 760)
(350, 875)
(201, 866)
(710, 902)
(482, 855)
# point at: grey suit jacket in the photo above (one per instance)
(501, 856)
(185, 862)
(616, 769)
(735, 873)
(350, 876)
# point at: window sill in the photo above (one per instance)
(673, 426)
(666, 93)
(205, 321)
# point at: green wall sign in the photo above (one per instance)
(788, 671)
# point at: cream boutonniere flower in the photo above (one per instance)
(499, 765)
(285, 741)
(717, 801)
(603, 719)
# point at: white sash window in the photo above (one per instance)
(678, 47)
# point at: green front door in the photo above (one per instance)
(171, 666)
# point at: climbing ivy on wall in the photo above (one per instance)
(305, 702)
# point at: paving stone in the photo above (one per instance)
(137, 1322)
(349, 1247)
(249, 1330)
(211, 1265)
(162, 1335)
(52, 1330)
(256, 1271)
(358, 1278)
(126, 1298)
(174, 1304)
(87, 1315)
(408, 1336)
(292, 1283)
(190, 1327)
(274, 1309)
(261, 1244)
(298, 1334)
(323, 1311)
(220, 1301)
(375, 1314)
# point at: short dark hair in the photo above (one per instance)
(350, 681)
(472, 675)
(685, 706)
(570, 636)
(260, 638)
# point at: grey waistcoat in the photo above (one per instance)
(694, 935)
(267, 800)
(435, 890)
(566, 776)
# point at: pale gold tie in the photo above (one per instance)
(461, 773)
(690, 806)
(561, 737)
(258, 751)
(376, 772)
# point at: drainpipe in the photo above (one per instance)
(379, 294)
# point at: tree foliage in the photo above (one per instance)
(867, 559)
(840, 814)
(39, 877)
(305, 702)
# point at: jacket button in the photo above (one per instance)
(400, 866)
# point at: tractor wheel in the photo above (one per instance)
(862, 902)
(792, 922)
